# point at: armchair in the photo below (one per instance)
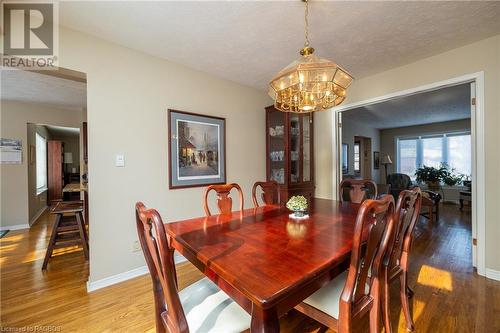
(398, 182)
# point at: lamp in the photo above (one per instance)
(310, 83)
(386, 160)
(68, 158)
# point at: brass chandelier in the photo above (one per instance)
(310, 83)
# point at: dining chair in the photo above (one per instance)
(357, 190)
(202, 306)
(269, 195)
(396, 265)
(224, 201)
(357, 291)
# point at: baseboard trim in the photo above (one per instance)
(121, 277)
(37, 215)
(15, 227)
(493, 274)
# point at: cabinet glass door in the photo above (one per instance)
(277, 156)
(294, 148)
(306, 147)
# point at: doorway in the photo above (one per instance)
(47, 112)
(476, 83)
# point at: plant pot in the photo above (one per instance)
(433, 186)
(299, 214)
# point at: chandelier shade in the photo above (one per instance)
(310, 83)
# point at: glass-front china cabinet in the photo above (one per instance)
(289, 142)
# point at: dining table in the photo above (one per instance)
(264, 259)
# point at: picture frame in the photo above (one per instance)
(376, 160)
(345, 158)
(196, 149)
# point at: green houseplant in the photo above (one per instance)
(431, 176)
(298, 205)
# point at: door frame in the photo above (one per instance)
(477, 138)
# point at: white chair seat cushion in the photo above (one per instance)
(210, 310)
(327, 298)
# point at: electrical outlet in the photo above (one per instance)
(136, 246)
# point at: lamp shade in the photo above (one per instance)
(386, 159)
(68, 158)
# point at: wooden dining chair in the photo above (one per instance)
(357, 291)
(357, 190)
(396, 264)
(269, 195)
(202, 306)
(224, 201)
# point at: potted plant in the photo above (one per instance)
(298, 205)
(431, 176)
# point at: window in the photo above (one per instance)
(453, 149)
(41, 163)
(356, 157)
(460, 153)
(407, 156)
(432, 155)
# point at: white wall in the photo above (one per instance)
(127, 100)
(15, 192)
(480, 56)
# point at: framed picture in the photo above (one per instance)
(345, 158)
(197, 149)
(376, 160)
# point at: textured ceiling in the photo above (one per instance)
(445, 104)
(23, 86)
(249, 41)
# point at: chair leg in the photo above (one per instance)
(410, 292)
(52, 242)
(375, 309)
(431, 215)
(404, 300)
(386, 315)
(83, 234)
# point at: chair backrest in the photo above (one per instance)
(269, 195)
(224, 201)
(160, 260)
(406, 216)
(357, 190)
(372, 233)
(399, 181)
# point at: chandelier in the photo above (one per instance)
(310, 83)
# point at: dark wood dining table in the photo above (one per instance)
(265, 260)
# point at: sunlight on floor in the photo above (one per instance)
(435, 278)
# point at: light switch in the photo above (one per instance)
(120, 161)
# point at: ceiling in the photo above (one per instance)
(63, 131)
(447, 104)
(249, 41)
(31, 87)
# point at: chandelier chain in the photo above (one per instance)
(306, 20)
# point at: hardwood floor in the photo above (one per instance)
(449, 296)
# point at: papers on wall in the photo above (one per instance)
(11, 151)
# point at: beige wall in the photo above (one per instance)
(127, 100)
(388, 136)
(15, 194)
(480, 56)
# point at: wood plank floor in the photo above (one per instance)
(449, 296)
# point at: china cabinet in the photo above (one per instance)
(289, 152)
